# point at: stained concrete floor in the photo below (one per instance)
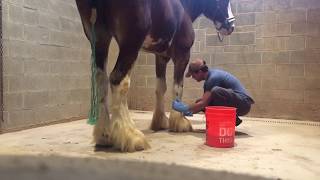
(268, 148)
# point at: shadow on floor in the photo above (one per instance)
(58, 167)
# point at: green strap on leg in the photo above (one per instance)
(95, 94)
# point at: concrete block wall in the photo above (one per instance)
(274, 51)
(46, 63)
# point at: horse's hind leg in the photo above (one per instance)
(160, 120)
(101, 129)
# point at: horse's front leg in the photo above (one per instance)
(177, 122)
(159, 119)
(124, 134)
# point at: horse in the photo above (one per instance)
(162, 27)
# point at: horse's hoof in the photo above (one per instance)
(178, 123)
(129, 139)
(101, 147)
(159, 122)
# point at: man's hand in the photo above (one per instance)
(181, 107)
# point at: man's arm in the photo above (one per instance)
(188, 110)
(202, 103)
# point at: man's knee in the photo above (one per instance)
(243, 109)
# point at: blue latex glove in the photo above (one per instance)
(181, 107)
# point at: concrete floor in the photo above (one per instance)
(264, 147)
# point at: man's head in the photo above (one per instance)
(197, 69)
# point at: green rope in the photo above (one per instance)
(95, 95)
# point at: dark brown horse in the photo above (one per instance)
(163, 27)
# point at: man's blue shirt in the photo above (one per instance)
(221, 78)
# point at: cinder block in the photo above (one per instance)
(285, 70)
(13, 66)
(313, 15)
(141, 59)
(265, 18)
(12, 30)
(36, 34)
(275, 57)
(213, 40)
(250, 82)
(270, 95)
(305, 57)
(250, 6)
(71, 25)
(12, 101)
(205, 23)
(26, 49)
(237, 58)
(292, 16)
(151, 59)
(261, 70)
(312, 83)
(204, 56)
(30, 16)
(242, 48)
(245, 29)
(196, 47)
(312, 96)
(245, 19)
(242, 38)
(298, 83)
(15, 13)
(36, 67)
(313, 42)
(144, 70)
(138, 81)
(49, 21)
(296, 43)
(269, 30)
(35, 99)
(312, 70)
(48, 114)
(283, 29)
(35, 4)
(275, 83)
(20, 118)
(16, 84)
(200, 34)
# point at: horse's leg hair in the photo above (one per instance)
(159, 119)
(101, 129)
(177, 122)
(181, 53)
(124, 135)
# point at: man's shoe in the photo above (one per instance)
(238, 121)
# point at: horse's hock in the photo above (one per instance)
(45, 57)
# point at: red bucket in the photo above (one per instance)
(220, 126)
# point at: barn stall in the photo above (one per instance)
(274, 51)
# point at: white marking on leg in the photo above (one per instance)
(177, 91)
(177, 122)
(101, 129)
(161, 88)
(159, 119)
(124, 134)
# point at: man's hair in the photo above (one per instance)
(204, 67)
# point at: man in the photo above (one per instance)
(220, 89)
